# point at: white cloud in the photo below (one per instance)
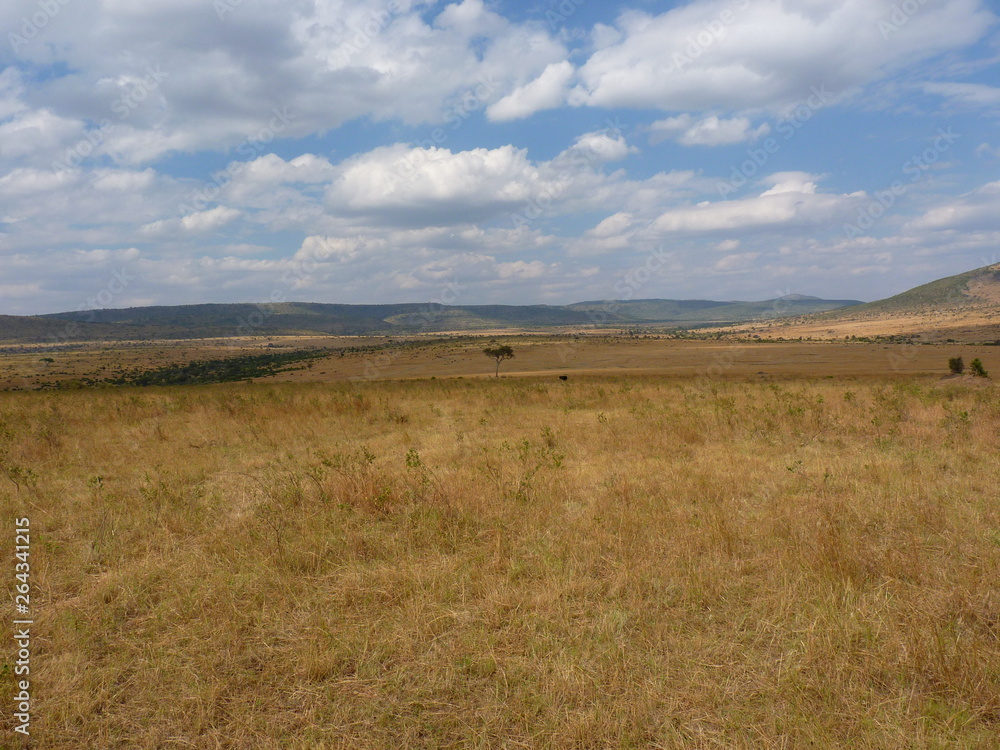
(23, 182)
(219, 80)
(417, 186)
(11, 93)
(123, 180)
(973, 211)
(386, 222)
(736, 262)
(470, 18)
(272, 169)
(37, 134)
(792, 201)
(710, 131)
(791, 182)
(196, 223)
(767, 56)
(545, 92)
(596, 148)
(616, 224)
(974, 95)
(432, 181)
(206, 221)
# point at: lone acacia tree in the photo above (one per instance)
(499, 353)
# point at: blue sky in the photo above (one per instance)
(189, 151)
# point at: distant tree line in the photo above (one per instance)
(217, 370)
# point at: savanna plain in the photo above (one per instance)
(616, 560)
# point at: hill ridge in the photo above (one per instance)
(962, 307)
(210, 320)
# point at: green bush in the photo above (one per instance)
(956, 365)
(977, 368)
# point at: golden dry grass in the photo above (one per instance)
(609, 562)
(373, 357)
(977, 324)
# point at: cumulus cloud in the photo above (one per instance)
(710, 131)
(766, 55)
(433, 184)
(218, 77)
(545, 92)
(196, 223)
(973, 211)
(596, 148)
(793, 200)
(37, 133)
(93, 110)
(123, 180)
(791, 182)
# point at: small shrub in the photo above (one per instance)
(977, 368)
(956, 365)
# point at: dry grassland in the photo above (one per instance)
(976, 325)
(609, 562)
(372, 357)
(26, 366)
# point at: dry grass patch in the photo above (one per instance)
(609, 562)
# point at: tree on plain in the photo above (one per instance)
(499, 353)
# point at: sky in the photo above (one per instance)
(492, 151)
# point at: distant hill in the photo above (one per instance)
(977, 288)
(225, 320)
(703, 312)
(964, 307)
(39, 328)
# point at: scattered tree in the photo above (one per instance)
(499, 353)
(977, 368)
(956, 365)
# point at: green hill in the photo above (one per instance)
(950, 292)
(227, 320)
(703, 312)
